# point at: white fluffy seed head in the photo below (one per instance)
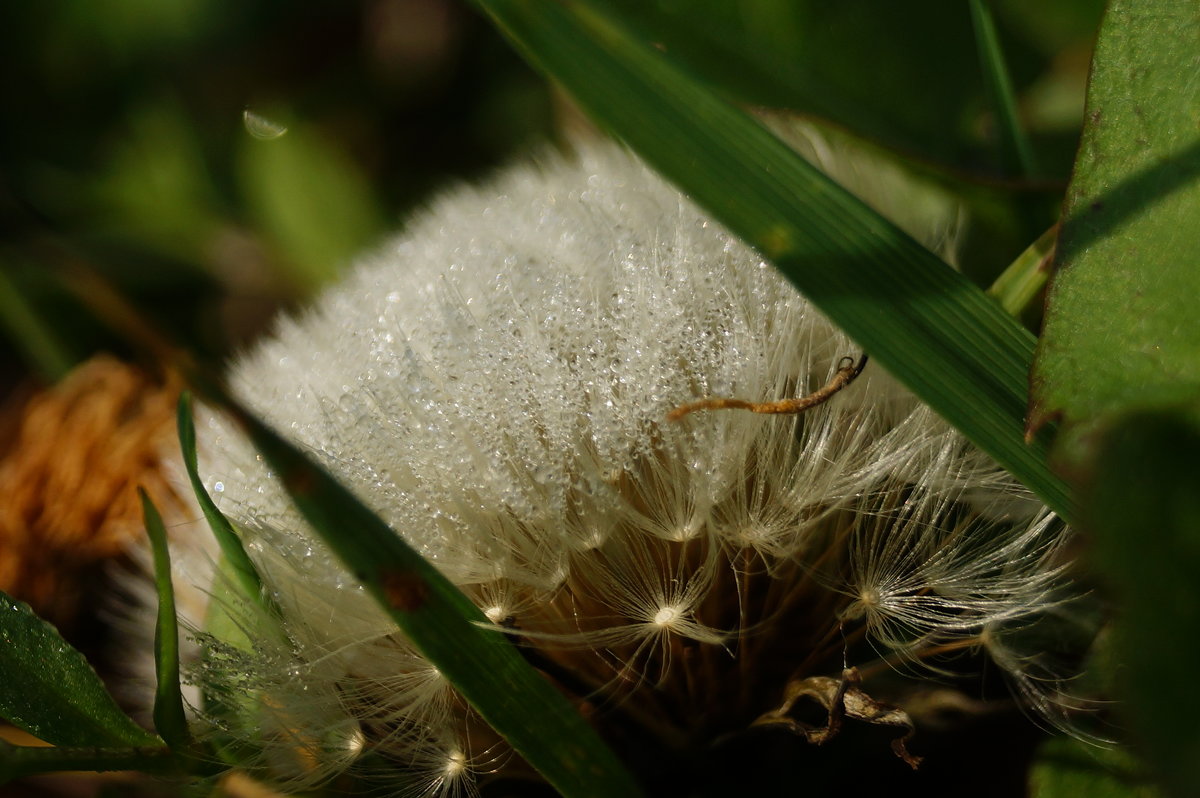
(496, 382)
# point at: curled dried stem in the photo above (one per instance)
(848, 371)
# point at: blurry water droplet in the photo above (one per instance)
(260, 127)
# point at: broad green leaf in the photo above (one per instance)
(450, 631)
(170, 721)
(48, 689)
(926, 323)
(1120, 322)
(1069, 768)
(1143, 512)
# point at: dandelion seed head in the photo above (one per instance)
(496, 384)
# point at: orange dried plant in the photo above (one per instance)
(69, 471)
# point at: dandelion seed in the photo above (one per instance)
(665, 616)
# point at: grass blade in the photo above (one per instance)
(169, 718)
(823, 59)
(944, 338)
(1015, 149)
(239, 564)
(448, 629)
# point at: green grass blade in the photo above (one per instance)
(944, 338)
(824, 59)
(238, 562)
(1015, 149)
(752, 50)
(48, 689)
(447, 628)
(169, 718)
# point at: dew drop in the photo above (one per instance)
(261, 128)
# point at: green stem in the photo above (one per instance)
(1014, 144)
(1021, 284)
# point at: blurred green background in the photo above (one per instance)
(215, 160)
(141, 139)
